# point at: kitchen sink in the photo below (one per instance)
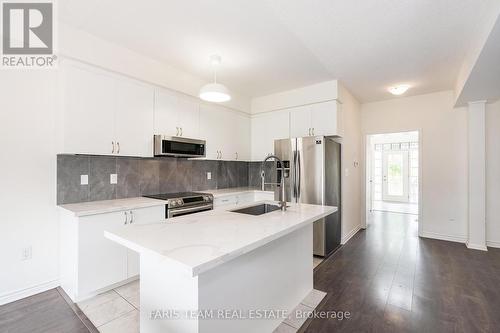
(259, 209)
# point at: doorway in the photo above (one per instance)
(392, 174)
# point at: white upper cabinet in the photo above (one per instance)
(176, 115)
(243, 137)
(325, 118)
(265, 128)
(106, 114)
(89, 112)
(212, 128)
(300, 121)
(315, 119)
(134, 119)
(165, 113)
(189, 117)
(227, 133)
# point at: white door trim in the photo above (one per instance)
(367, 174)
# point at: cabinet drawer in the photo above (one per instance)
(148, 215)
(224, 201)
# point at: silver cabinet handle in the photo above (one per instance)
(126, 218)
(236, 155)
(113, 144)
(131, 217)
(118, 144)
(220, 154)
(181, 131)
(177, 131)
(312, 131)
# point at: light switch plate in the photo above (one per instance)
(84, 179)
(209, 175)
(113, 178)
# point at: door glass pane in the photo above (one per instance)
(395, 174)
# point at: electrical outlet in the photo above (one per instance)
(209, 175)
(113, 178)
(84, 179)
(26, 253)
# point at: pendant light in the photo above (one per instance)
(215, 92)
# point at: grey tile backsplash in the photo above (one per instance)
(141, 176)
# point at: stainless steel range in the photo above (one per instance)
(184, 203)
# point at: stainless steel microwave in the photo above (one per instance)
(178, 146)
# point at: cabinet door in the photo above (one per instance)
(265, 128)
(324, 118)
(142, 216)
(212, 129)
(189, 117)
(300, 121)
(102, 262)
(242, 137)
(134, 118)
(229, 135)
(165, 113)
(88, 107)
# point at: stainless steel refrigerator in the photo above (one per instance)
(312, 176)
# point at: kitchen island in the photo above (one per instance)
(220, 271)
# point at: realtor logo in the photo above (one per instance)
(28, 34)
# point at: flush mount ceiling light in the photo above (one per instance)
(215, 92)
(399, 90)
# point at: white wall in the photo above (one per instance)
(443, 131)
(492, 174)
(351, 175)
(28, 177)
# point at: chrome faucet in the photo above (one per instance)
(281, 183)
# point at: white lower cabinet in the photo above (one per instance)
(243, 198)
(141, 216)
(91, 263)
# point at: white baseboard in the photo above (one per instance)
(493, 244)
(434, 235)
(351, 233)
(476, 246)
(30, 291)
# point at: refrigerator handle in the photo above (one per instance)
(294, 176)
(299, 172)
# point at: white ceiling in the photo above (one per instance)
(269, 46)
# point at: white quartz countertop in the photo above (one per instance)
(200, 242)
(235, 191)
(109, 206)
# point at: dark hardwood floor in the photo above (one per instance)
(386, 277)
(392, 281)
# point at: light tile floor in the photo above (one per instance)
(118, 310)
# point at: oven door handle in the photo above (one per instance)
(173, 212)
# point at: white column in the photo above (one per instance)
(477, 175)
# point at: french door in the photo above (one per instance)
(395, 184)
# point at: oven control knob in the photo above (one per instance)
(206, 198)
(179, 202)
